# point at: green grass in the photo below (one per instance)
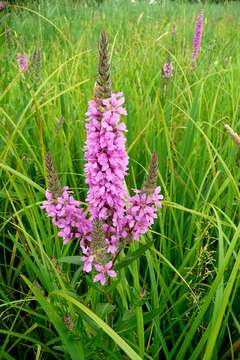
(177, 291)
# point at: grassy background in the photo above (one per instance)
(176, 297)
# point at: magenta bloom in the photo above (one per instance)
(103, 272)
(142, 212)
(115, 218)
(2, 5)
(197, 36)
(67, 215)
(22, 60)
(107, 162)
(167, 71)
(87, 263)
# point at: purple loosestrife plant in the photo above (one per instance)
(167, 70)
(115, 218)
(22, 60)
(2, 5)
(197, 39)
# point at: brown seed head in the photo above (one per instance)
(103, 86)
(151, 181)
(54, 185)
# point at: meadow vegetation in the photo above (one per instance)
(176, 295)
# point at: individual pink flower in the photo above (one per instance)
(22, 60)
(2, 5)
(103, 272)
(87, 263)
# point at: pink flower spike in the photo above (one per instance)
(22, 60)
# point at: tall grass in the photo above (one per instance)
(176, 296)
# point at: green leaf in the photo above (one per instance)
(72, 345)
(134, 255)
(105, 327)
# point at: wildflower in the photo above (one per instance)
(2, 5)
(88, 263)
(103, 272)
(22, 60)
(197, 36)
(64, 210)
(142, 212)
(114, 215)
(67, 215)
(167, 70)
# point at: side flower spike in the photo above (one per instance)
(144, 204)
(64, 210)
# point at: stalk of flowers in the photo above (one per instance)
(64, 210)
(105, 153)
(197, 39)
(143, 205)
(167, 70)
(2, 5)
(22, 60)
(114, 215)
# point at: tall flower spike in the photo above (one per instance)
(151, 181)
(22, 60)
(103, 84)
(197, 37)
(54, 185)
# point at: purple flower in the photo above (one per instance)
(88, 263)
(22, 60)
(106, 166)
(67, 216)
(2, 5)
(142, 212)
(197, 36)
(113, 215)
(103, 272)
(167, 71)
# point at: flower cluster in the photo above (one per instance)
(167, 70)
(22, 60)
(106, 165)
(114, 216)
(67, 215)
(142, 212)
(197, 36)
(2, 5)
